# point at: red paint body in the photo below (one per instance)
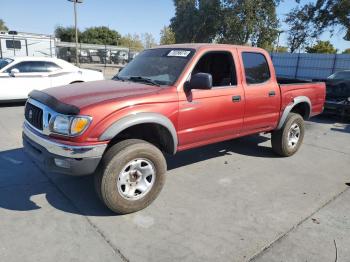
(206, 117)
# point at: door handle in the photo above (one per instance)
(272, 93)
(236, 99)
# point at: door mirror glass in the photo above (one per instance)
(14, 71)
(200, 81)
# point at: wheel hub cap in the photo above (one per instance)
(293, 135)
(136, 179)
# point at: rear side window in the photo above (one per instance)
(30, 67)
(256, 68)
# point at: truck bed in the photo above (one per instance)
(314, 91)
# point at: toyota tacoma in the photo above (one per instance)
(168, 99)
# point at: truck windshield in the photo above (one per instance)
(5, 62)
(162, 66)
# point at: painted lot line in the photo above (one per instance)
(224, 202)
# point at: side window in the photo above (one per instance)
(256, 68)
(51, 67)
(220, 65)
(30, 67)
(13, 44)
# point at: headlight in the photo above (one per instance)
(348, 99)
(70, 125)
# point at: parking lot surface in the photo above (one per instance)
(232, 201)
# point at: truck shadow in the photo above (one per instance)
(23, 185)
(339, 125)
(248, 146)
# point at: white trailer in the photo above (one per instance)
(16, 44)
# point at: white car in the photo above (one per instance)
(19, 76)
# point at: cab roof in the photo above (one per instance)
(198, 46)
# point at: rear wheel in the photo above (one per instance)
(287, 140)
(131, 175)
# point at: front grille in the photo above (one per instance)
(34, 115)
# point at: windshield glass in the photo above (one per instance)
(5, 62)
(162, 66)
(340, 75)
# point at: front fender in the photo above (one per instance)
(136, 119)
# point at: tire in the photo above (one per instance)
(130, 160)
(285, 141)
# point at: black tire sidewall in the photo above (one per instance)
(292, 118)
(113, 167)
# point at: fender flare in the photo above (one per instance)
(136, 119)
(297, 100)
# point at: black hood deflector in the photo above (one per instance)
(53, 103)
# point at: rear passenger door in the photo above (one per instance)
(262, 93)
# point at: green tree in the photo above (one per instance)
(196, 20)
(300, 27)
(132, 41)
(167, 36)
(330, 14)
(101, 35)
(3, 27)
(281, 49)
(249, 21)
(148, 40)
(226, 21)
(66, 34)
(322, 47)
(346, 51)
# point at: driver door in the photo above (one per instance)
(29, 75)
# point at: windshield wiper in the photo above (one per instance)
(143, 79)
(118, 78)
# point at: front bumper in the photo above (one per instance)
(77, 160)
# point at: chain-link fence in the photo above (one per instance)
(309, 66)
(95, 54)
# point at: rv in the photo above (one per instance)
(15, 44)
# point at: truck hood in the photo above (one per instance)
(85, 94)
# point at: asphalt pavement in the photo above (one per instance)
(232, 201)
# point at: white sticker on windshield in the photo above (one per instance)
(179, 53)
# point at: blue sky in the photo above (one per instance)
(125, 16)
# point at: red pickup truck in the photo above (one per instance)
(168, 99)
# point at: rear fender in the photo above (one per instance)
(297, 100)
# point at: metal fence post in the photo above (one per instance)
(334, 63)
(297, 67)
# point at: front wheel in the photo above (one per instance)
(130, 176)
(287, 140)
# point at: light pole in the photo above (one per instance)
(76, 28)
(278, 38)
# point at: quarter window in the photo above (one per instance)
(256, 68)
(30, 67)
(51, 67)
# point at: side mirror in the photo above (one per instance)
(200, 81)
(13, 72)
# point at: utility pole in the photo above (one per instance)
(76, 29)
(278, 39)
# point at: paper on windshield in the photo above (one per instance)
(179, 53)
